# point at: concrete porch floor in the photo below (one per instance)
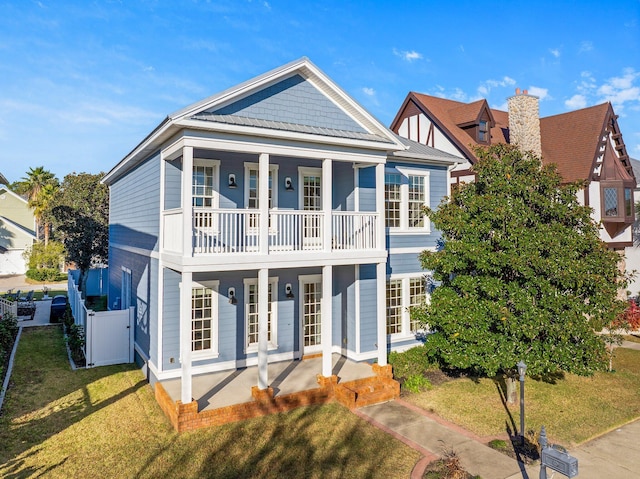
(226, 388)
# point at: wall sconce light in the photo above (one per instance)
(232, 181)
(232, 296)
(288, 184)
(288, 290)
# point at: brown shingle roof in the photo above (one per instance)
(570, 140)
(450, 113)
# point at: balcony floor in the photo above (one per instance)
(226, 388)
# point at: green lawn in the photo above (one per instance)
(573, 409)
(104, 422)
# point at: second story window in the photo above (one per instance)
(617, 201)
(252, 189)
(483, 131)
(204, 184)
(406, 193)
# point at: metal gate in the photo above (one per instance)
(109, 336)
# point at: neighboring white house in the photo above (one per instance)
(17, 232)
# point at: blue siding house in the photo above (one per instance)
(272, 222)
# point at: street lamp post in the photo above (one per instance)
(522, 369)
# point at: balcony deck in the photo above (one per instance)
(233, 231)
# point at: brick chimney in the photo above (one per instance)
(524, 122)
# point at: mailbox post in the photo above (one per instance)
(555, 457)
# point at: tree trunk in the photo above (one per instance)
(46, 234)
(512, 394)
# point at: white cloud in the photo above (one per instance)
(485, 87)
(555, 52)
(368, 91)
(542, 93)
(622, 89)
(407, 56)
(576, 102)
(585, 46)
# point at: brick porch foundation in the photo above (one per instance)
(352, 394)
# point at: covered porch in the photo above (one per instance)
(228, 396)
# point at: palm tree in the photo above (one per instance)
(32, 185)
(41, 205)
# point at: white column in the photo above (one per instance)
(381, 308)
(326, 317)
(263, 201)
(187, 209)
(327, 167)
(263, 328)
(380, 240)
(185, 336)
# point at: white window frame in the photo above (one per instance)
(405, 304)
(212, 352)
(273, 344)
(273, 171)
(311, 171)
(215, 197)
(302, 280)
(405, 172)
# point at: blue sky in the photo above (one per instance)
(81, 83)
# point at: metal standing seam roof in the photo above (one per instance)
(284, 126)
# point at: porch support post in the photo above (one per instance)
(263, 202)
(185, 336)
(187, 209)
(263, 328)
(326, 318)
(327, 167)
(381, 308)
(380, 230)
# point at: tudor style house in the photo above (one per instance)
(273, 222)
(586, 145)
(17, 230)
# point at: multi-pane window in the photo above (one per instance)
(201, 319)
(392, 199)
(253, 181)
(406, 193)
(251, 308)
(610, 201)
(617, 201)
(483, 131)
(311, 192)
(402, 294)
(417, 200)
(203, 181)
(394, 306)
(312, 319)
(417, 297)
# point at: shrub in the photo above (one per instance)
(417, 383)
(412, 362)
(76, 341)
(45, 274)
(8, 332)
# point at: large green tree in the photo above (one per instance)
(523, 274)
(80, 214)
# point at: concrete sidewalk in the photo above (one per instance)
(615, 455)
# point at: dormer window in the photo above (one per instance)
(483, 131)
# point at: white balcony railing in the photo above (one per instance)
(221, 231)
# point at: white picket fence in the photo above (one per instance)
(108, 334)
(8, 307)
